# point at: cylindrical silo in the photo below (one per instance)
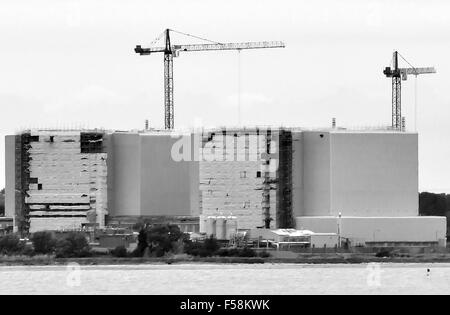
(202, 224)
(231, 227)
(210, 226)
(220, 228)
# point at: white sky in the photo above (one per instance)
(71, 63)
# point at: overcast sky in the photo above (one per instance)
(71, 63)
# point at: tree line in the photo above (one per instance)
(431, 204)
(2, 202)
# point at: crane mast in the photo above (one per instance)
(171, 51)
(396, 95)
(168, 85)
(398, 74)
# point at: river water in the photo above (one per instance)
(227, 279)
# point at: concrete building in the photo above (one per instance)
(357, 173)
(265, 177)
(370, 181)
(238, 175)
(56, 180)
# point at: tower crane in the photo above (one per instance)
(398, 74)
(170, 50)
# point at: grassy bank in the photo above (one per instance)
(43, 260)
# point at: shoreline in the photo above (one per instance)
(313, 259)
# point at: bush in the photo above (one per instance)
(28, 250)
(383, 254)
(73, 245)
(247, 252)
(10, 244)
(44, 242)
(211, 245)
(119, 251)
(263, 254)
(193, 248)
(236, 252)
(223, 252)
(207, 248)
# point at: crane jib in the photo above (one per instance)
(171, 51)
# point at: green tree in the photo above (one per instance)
(44, 242)
(431, 204)
(163, 239)
(142, 243)
(73, 245)
(159, 240)
(119, 251)
(10, 244)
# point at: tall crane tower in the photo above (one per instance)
(170, 50)
(398, 74)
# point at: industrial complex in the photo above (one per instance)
(322, 187)
(361, 185)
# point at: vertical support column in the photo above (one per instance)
(285, 219)
(396, 95)
(168, 91)
(396, 103)
(22, 215)
(266, 184)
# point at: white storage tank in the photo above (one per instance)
(220, 228)
(202, 224)
(211, 226)
(231, 227)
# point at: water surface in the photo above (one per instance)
(228, 279)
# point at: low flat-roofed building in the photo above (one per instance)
(292, 237)
(381, 231)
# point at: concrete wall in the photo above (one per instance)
(232, 170)
(316, 173)
(297, 174)
(379, 229)
(67, 181)
(168, 187)
(374, 174)
(124, 165)
(146, 181)
(356, 173)
(10, 182)
(324, 240)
